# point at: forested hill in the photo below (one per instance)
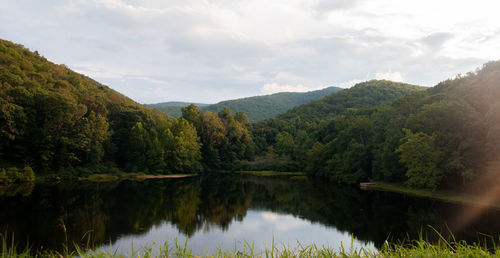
(447, 136)
(299, 119)
(262, 107)
(55, 121)
(257, 108)
(53, 118)
(173, 108)
(366, 94)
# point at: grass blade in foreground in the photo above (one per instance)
(417, 248)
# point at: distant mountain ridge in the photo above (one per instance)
(257, 108)
(365, 94)
(175, 104)
(173, 108)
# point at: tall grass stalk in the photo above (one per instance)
(9, 249)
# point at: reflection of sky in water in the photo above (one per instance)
(258, 227)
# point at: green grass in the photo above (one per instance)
(446, 196)
(271, 173)
(416, 248)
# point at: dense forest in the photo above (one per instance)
(54, 121)
(286, 139)
(256, 108)
(447, 136)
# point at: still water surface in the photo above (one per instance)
(224, 212)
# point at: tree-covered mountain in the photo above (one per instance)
(366, 94)
(56, 121)
(444, 137)
(173, 108)
(297, 121)
(53, 118)
(257, 108)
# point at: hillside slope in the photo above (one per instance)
(52, 118)
(173, 108)
(366, 94)
(291, 134)
(362, 95)
(257, 108)
(56, 122)
(262, 107)
(447, 136)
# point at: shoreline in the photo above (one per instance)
(269, 173)
(128, 176)
(104, 177)
(446, 196)
(166, 176)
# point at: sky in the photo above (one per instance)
(206, 51)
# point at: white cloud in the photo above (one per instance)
(273, 87)
(284, 222)
(211, 50)
(349, 83)
(391, 76)
(436, 40)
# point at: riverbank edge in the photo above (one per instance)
(110, 177)
(446, 196)
(270, 173)
(141, 176)
(129, 176)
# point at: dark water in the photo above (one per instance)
(225, 211)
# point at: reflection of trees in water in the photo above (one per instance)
(223, 199)
(52, 213)
(23, 189)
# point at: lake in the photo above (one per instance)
(227, 212)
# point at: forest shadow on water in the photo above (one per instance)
(55, 216)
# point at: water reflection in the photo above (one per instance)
(261, 227)
(222, 207)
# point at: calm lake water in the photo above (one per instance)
(224, 211)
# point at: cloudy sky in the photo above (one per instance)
(212, 50)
